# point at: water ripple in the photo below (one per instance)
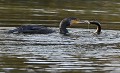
(82, 50)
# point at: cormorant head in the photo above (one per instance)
(68, 22)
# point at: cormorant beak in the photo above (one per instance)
(84, 22)
(79, 22)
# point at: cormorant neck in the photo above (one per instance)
(98, 30)
(63, 25)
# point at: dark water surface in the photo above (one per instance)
(45, 12)
(81, 52)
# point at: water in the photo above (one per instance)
(50, 13)
(81, 52)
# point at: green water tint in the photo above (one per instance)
(50, 13)
(82, 52)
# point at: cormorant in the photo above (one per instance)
(36, 29)
(32, 29)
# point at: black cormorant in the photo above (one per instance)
(36, 29)
(32, 29)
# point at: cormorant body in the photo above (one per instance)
(32, 29)
(36, 29)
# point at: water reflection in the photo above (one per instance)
(12, 64)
